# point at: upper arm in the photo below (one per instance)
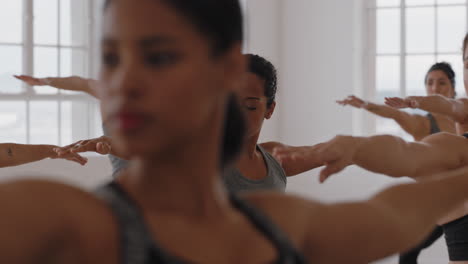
(440, 152)
(333, 233)
(460, 109)
(270, 146)
(417, 126)
(36, 220)
(339, 233)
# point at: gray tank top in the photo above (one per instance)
(434, 126)
(275, 179)
(232, 177)
(117, 163)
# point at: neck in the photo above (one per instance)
(185, 182)
(250, 147)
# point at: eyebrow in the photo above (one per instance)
(145, 42)
(253, 98)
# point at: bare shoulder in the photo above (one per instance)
(291, 213)
(74, 218)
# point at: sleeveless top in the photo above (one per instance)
(138, 247)
(275, 179)
(232, 177)
(434, 126)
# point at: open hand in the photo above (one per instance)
(353, 101)
(101, 145)
(31, 80)
(396, 102)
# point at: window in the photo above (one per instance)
(405, 38)
(45, 38)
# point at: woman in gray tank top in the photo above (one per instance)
(440, 79)
(256, 169)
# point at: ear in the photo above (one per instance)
(235, 68)
(270, 110)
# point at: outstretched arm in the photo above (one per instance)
(292, 166)
(456, 109)
(393, 221)
(416, 125)
(18, 154)
(73, 83)
(384, 154)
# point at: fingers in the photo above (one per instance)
(395, 102)
(103, 148)
(331, 168)
(29, 79)
(352, 100)
(78, 159)
(84, 146)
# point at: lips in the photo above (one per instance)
(129, 122)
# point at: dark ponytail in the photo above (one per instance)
(234, 132)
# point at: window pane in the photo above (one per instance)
(442, 2)
(451, 28)
(11, 63)
(388, 76)
(45, 22)
(44, 122)
(45, 65)
(66, 123)
(72, 62)
(416, 69)
(386, 3)
(457, 65)
(419, 2)
(11, 15)
(73, 22)
(13, 122)
(388, 31)
(420, 30)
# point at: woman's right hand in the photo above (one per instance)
(32, 80)
(397, 102)
(353, 101)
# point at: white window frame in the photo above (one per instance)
(370, 52)
(82, 130)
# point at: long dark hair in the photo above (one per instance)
(221, 22)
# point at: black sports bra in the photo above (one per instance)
(138, 247)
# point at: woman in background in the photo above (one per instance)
(439, 80)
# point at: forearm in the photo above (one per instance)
(73, 83)
(396, 157)
(438, 104)
(382, 110)
(16, 154)
(415, 208)
(393, 221)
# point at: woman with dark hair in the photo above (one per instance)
(439, 80)
(169, 70)
(455, 109)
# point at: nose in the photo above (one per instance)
(127, 81)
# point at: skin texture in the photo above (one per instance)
(418, 126)
(175, 180)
